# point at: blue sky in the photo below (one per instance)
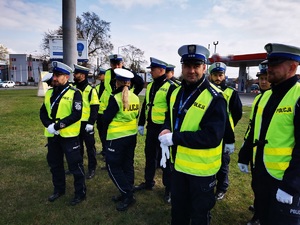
(160, 27)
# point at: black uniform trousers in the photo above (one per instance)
(153, 156)
(192, 199)
(120, 163)
(89, 140)
(57, 147)
(101, 132)
(268, 209)
(222, 175)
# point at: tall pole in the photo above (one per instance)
(215, 44)
(69, 33)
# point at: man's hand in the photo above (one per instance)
(229, 148)
(141, 130)
(243, 167)
(51, 129)
(166, 139)
(89, 127)
(284, 197)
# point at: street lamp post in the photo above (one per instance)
(215, 44)
(122, 47)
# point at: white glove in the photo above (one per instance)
(141, 130)
(89, 127)
(243, 167)
(56, 132)
(229, 148)
(51, 129)
(284, 197)
(165, 154)
(166, 139)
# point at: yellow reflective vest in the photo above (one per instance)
(86, 102)
(124, 123)
(280, 134)
(198, 162)
(160, 106)
(64, 110)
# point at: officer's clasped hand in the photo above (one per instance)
(284, 197)
(89, 128)
(165, 154)
(166, 139)
(229, 148)
(243, 167)
(51, 129)
(141, 130)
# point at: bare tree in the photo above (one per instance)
(92, 28)
(133, 58)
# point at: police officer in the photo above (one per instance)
(120, 120)
(170, 74)
(217, 72)
(194, 130)
(153, 110)
(276, 141)
(48, 79)
(100, 88)
(89, 116)
(137, 83)
(247, 146)
(116, 61)
(61, 114)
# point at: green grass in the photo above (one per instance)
(26, 180)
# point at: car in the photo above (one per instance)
(7, 84)
(255, 88)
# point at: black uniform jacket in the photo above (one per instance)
(212, 124)
(291, 179)
(62, 122)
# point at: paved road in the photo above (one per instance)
(246, 99)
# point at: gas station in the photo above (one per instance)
(241, 61)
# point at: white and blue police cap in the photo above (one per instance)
(47, 77)
(157, 63)
(81, 69)
(263, 68)
(115, 58)
(278, 53)
(217, 67)
(193, 53)
(101, 71)
(170, 67)
(123, 74)
(61, 68)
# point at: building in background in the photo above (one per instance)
(24, 68)
(3, 70)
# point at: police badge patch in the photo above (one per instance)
(78, 105)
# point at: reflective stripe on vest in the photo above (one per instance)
(124, 123)
(280, 133)
(198, 162)
(160, 106)
(64, 110)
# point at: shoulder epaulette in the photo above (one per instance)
(214, 91)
